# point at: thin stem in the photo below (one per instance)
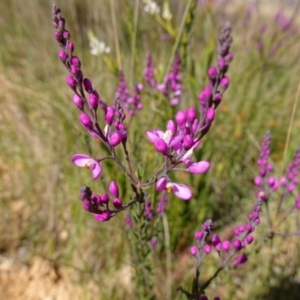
(168, 256)
(133, 43)
(269, 216)
(127, 159)
(287, 234)
(179, 34)
(285, 216)
(116, 37)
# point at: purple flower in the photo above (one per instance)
(82, 160)
(241, 259)
(180, 190)
(194, 250)
(163, 141)
(103, 216)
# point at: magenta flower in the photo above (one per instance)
(163, 141)
(82, 160)
(180, 190)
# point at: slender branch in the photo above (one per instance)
(168, 256)
(179, 34)
(116, 37)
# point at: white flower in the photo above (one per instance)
(151, 7)
(97, 47)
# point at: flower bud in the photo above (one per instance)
(66, 34)
(199, 235)
(57, 35)
(109, 115)
(242, 228)
(161, 146)
(71, 82)
(194, 250)
(61, 24)
(191, 114)
(87, 85)
(199, 167)
(226, 246)
(180, 117)
(76, 62)
(188, 142)
(117, 203)
(228, 57)
(257, 181)
(71, 46)
(222, 65)
(210, 115)
(207, 248)
(171, 126)
(93, 100)
(212, 73)
(97, 199)
(241, 259)
(249, 239)
(216, 241)
(224, 83)
(218, 98)
(174, 101)
(102, 217)
(78, 101)
(237, 244)
(85, 120)
(105, 198)
(62, 55)
(115, 139)
(114, 189)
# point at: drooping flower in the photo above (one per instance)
(82, 160)
(180, 190)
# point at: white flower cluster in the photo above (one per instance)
(151, 7)
(97, 47)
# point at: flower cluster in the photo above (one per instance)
(151, 7)
(149, 72)
(131, 103)
(184, 134)
(227, 250)
(97, 47)
(100, 205)
(114, 132)
(171, 85)
(268, 184)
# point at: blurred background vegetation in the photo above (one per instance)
(40, 213)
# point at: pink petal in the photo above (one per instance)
(93, 134)
(151, 136)
(97, 171)
(199, 167)
(176, 140)
(182, 191)
(81, 160)
(161, 184)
